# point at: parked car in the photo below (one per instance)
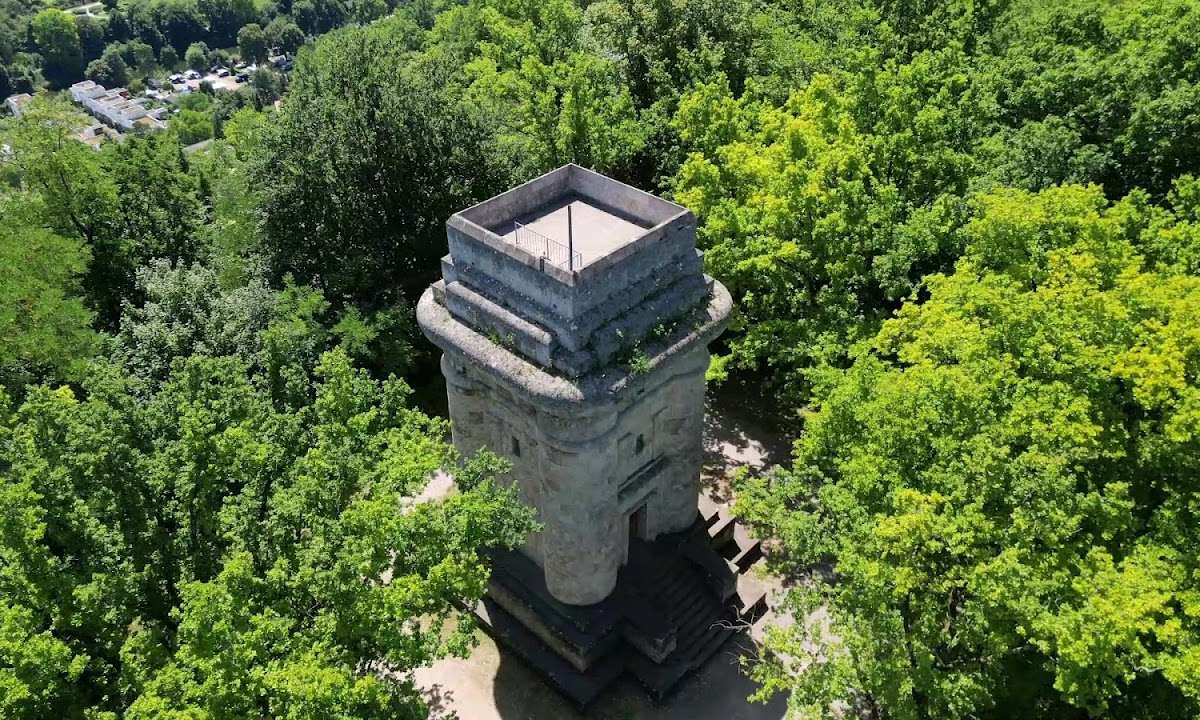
(223, 72)
(192, 75)
(242, 77)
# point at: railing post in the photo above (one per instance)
(570, 241)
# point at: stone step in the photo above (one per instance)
(751, 598)
(720, 532)
(747, 555)
(685, 616)
(679, 593)
(579, 687)
(672, 589)
(705, 644)
(660, 679)
(709, 511)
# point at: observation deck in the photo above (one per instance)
(571, 269)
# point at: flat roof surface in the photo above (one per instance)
(594, 231)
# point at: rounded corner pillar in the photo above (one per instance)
(539, 364)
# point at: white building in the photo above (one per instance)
(114, 107)
(86, 89)
(16, 103)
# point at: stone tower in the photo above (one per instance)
(574, 317)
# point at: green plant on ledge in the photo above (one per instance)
(639, 363)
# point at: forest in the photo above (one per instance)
(963, 239)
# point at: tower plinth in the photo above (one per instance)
(574, 316)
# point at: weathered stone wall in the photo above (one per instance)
(591, 381)
(585, 474)
(664, 256)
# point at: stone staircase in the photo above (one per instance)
(679, 600)
(742, 552)
(702, 624)
(705, 592)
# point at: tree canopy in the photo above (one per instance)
(1005, 480)
(198, 547)
(962, 241)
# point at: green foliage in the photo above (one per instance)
(180, 23)
(364, 163)
(91, 36)
(225, 18)
(252, 43)
(284, 34)
(57, 40)
(109, 69)
(1005, 481)
(45, 331)
(807, 214)
(1109, 75)
(825, 202)
(268, 87)
(191, 126)
(188, 311)
(128, 203)
(639, 363)
(196, 56)
(549, 102)
(204, 552)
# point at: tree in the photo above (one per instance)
(139, 56)
(117, 29)
(1005, 480)
(225, 17)
(319, 16)
(191, 126)
(91, 36)
(189, 311)
(267, 85)
(284, 34)
(109, 70)
(57, 40)
(197, 56)
(252, 43)
(547, 103)
(180, 22)
(45, 331)
(128, 203)
(191, 548)
(168, 57)
(818, 220)
(1106, 74)
(366, 161)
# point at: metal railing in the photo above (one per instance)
(551, 251)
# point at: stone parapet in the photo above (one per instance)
(582, 257)
(589, 379)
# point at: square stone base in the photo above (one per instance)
(674, 606)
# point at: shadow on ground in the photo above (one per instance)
(719, 691)
(737, 435)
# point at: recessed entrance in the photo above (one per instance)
(637, 524)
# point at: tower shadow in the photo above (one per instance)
(718, 691)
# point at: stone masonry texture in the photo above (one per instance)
(588, 376)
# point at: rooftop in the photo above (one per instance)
(571, 217)
(588, 230)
